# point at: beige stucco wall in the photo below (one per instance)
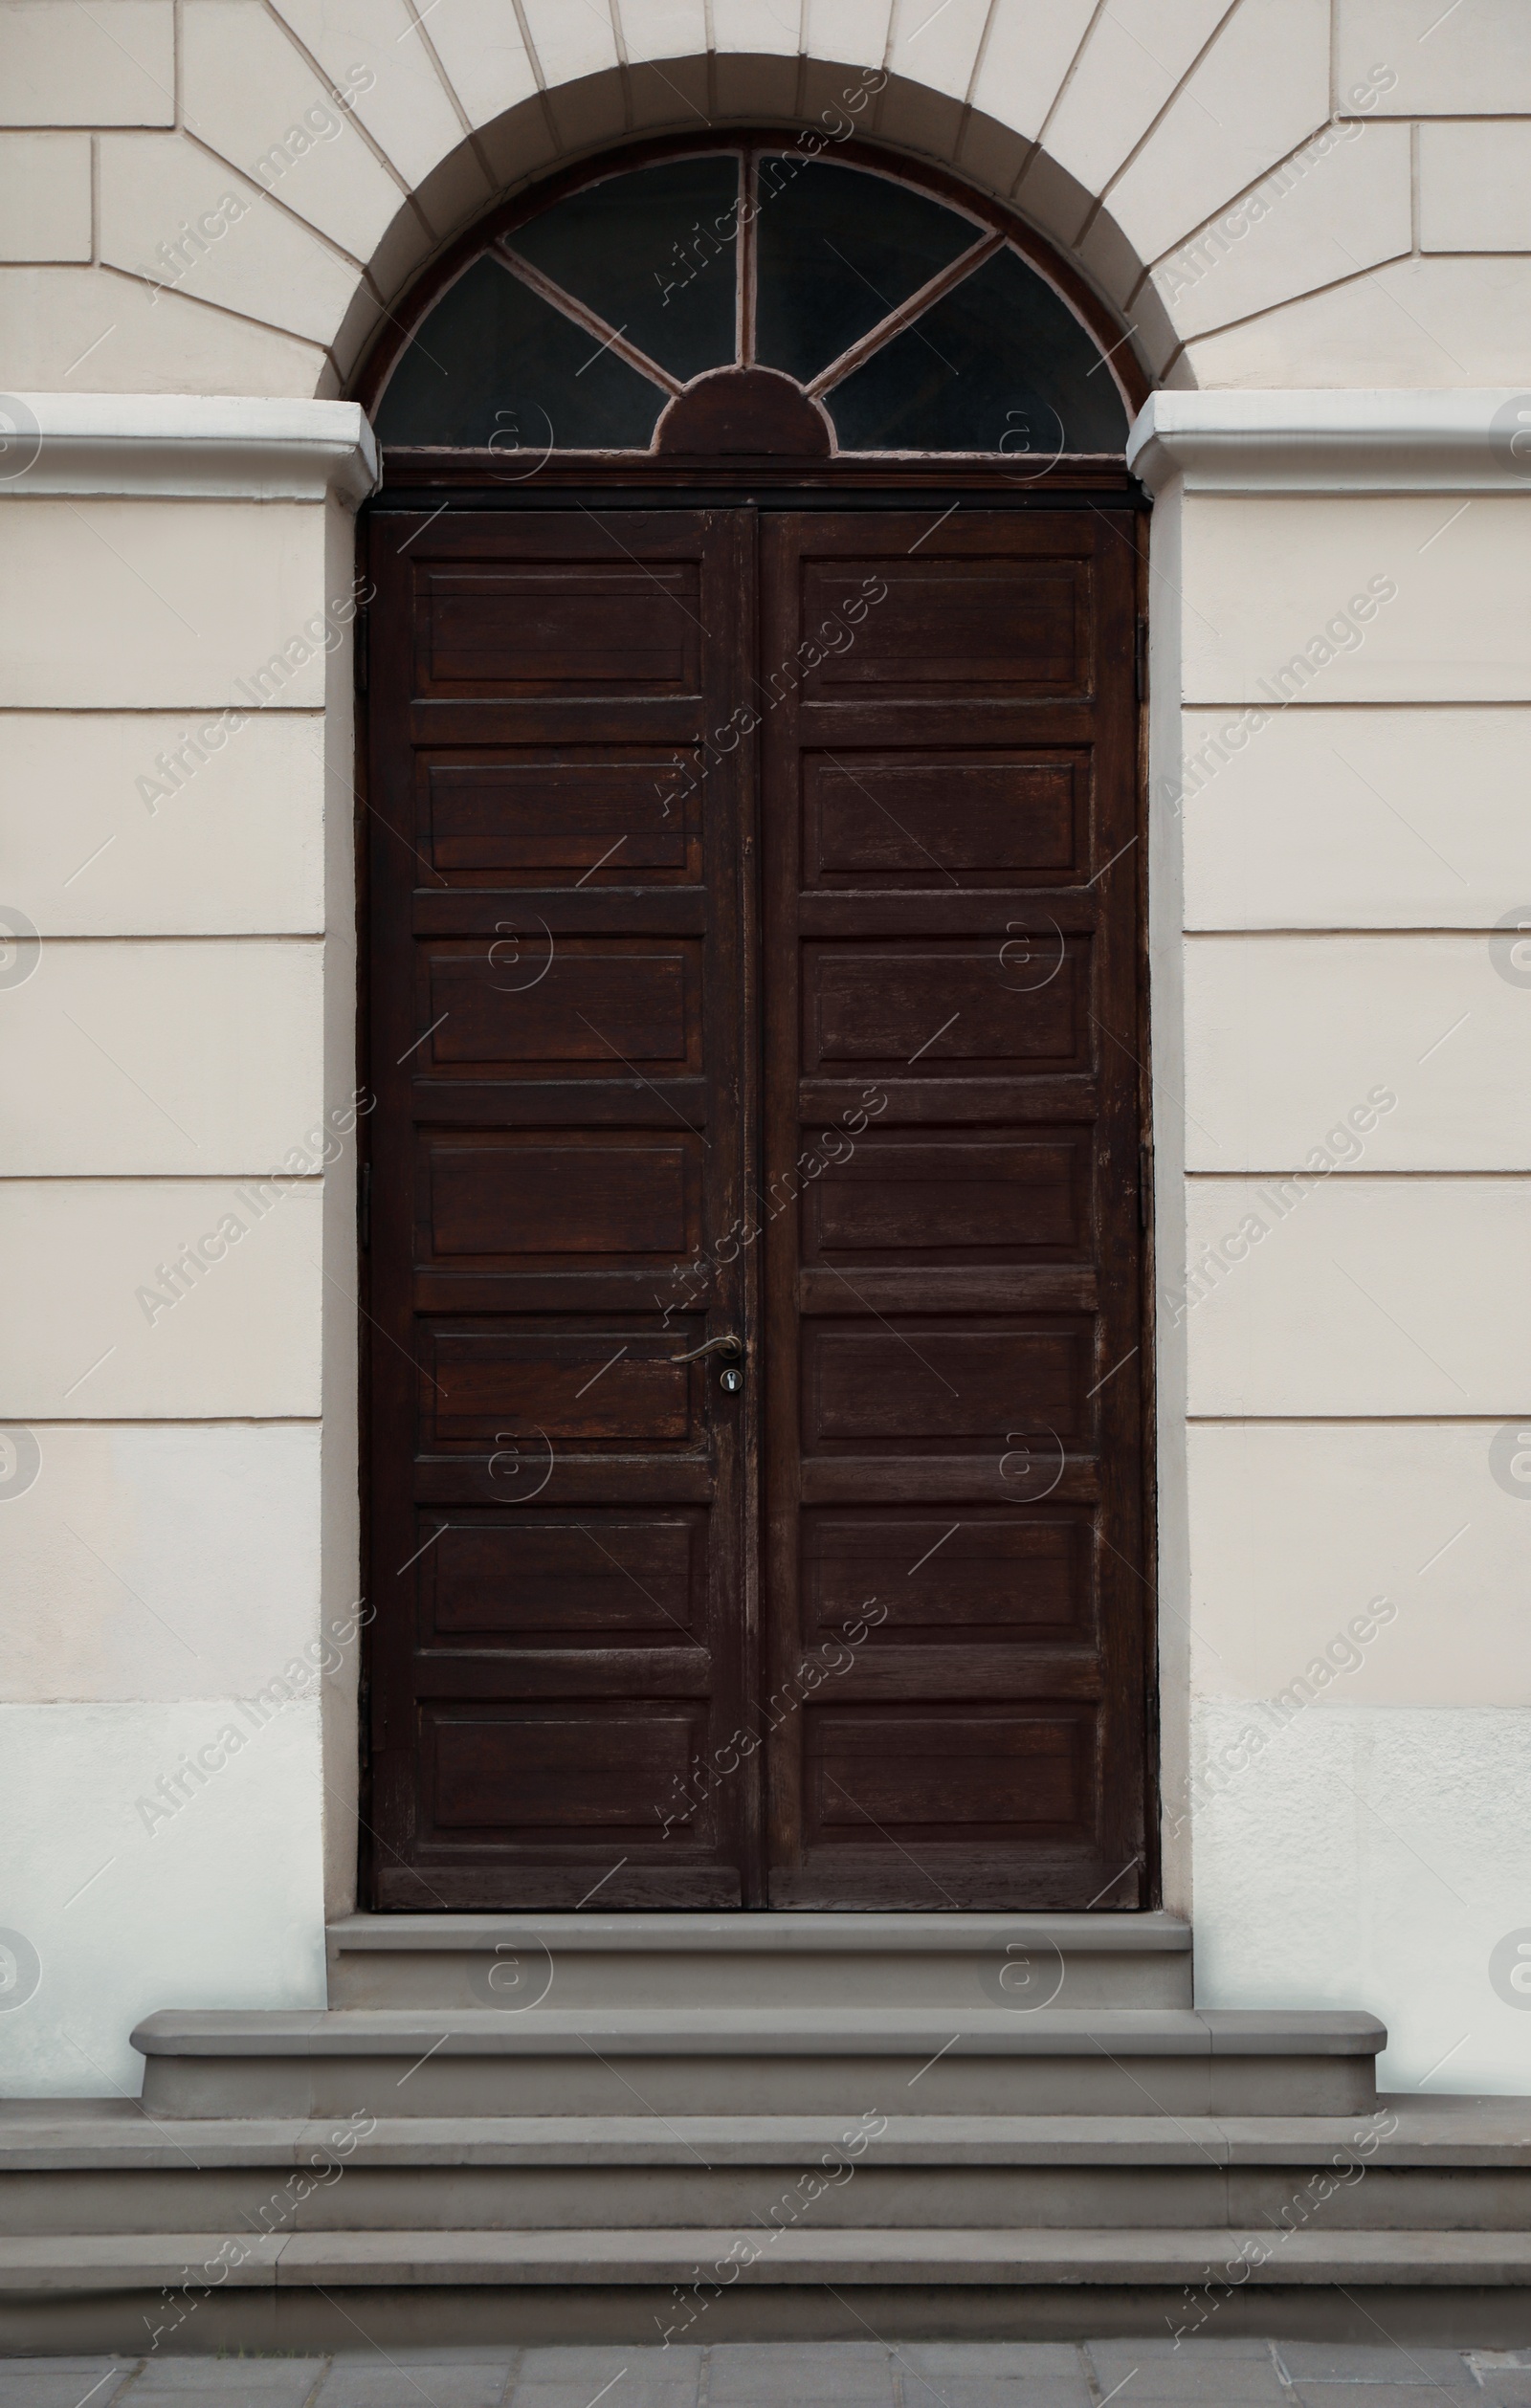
(1345, 1649)
(1275, 193)
(1272, 191)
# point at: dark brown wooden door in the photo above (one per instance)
(753, 925)
(560, 991)
(954, 1410)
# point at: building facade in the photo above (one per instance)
(1308, 222)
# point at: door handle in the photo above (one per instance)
(730, 1345)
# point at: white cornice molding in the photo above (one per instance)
(199, 446)
(1386, 440)
(188, 446)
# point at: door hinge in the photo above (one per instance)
(364, 1722)
(364, 1208)
(1146, 1183)
(359, 650)
(1140, 662)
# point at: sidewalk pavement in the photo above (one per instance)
(1209, 2373)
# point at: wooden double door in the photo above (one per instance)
(752, 1309)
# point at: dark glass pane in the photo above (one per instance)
(1000, 364)
(838, 248)
(494, 362)
(654, 253)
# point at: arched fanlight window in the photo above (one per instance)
(752, 299)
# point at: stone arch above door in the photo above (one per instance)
(821, 105)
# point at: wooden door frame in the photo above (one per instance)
(474, 480)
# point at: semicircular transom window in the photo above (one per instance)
(755, 301)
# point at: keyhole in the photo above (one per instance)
(730, 1382)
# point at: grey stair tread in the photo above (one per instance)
(766, 1934)
(561, 2140)
(68, 2134)
(1417, 2129)
(964, 2254)
(898, 2254)
(91, 2262)
(757, 2031)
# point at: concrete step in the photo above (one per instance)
(685, 1960)
(77, 2168)
(761, 2061)
(204, 2291)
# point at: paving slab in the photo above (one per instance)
(1228, 2373)
(991, 2374)
(1013, 2389)
(1385, 2394)
(1209, 2371)
(624, 2378)
(1379, 2362)
(999, 2390)
(1007, 2361)
(62, 2382)
(783, 2374)
(414, 2379)
(231, 2382)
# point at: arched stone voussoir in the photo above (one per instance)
(837, 100)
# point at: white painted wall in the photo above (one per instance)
(220, 1902)
(1374, 1854)
(172, 1570)
(1353, 1345)
(1275, 194)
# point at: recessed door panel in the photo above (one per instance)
(528, 996)
(560, 627)
(916, 1383)
(530, 814)
(953, 1197)
(982, 1775)
(590, 1775)
(877, 1008)
(580, 1385)
(945, 815)
(982, 1579)
(925, 628)
(576, 1197)
(567, 1580)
